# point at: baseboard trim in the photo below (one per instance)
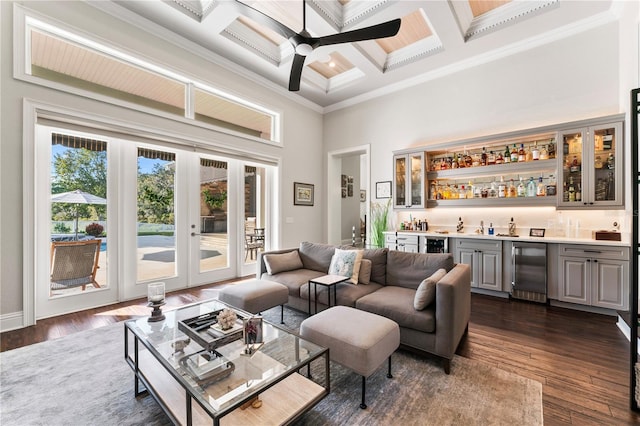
(585, 308)
(12, 321)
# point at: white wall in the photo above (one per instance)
(575, 78)
(301, 156)
(350, 206)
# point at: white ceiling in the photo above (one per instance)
(454, 39)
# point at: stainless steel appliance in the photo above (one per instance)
(436, 245)
(529, 271)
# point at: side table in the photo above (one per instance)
(328, 281)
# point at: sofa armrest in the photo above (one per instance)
(261, 268)
(453, 308)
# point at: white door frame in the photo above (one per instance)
(334, 193)
(34, 110)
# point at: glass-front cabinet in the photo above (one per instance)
(591, 174)
(408, 180)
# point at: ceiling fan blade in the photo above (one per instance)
(264, 19)
(296, 72)
(386, 29)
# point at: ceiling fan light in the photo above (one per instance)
(304, 49)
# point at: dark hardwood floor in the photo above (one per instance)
(581, 359)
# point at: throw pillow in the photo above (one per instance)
(426, 292)
(346, 263)
(282, 262)
(364, 275)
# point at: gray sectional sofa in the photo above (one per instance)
(390, 291)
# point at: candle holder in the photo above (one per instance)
(155, 293)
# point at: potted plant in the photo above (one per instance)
(379, 223)
(94, 229)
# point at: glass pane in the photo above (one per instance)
(604, 164)
(78, 214)
(214, 244)
(416, 180)
(156, 215)
(254, 230)
(55, 59)
(400, 189)
(222, 112)
(572, 167)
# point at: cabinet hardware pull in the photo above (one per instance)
(592, 251)
(595, 260)
(588, 260)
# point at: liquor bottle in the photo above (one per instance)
(470, 190)
(433, 190)
(483, 157)
(502, 188)
(578, 193)
(521, 188)
(514, 154)
(522, 156)
(461, 163)
(499, 158)
(611, 162)
(571, 190)
(454, 161)
(493, 190)
(552, 149)
(462, 193)
(544, 153)
(528, 154)
(531, 188)
(507, 154)
(541, 189)
(491, 159)
(468, 160)
(575, 165)
(512, 191)
(551, 186)
(535, 152)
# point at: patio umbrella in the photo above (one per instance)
(77, 197)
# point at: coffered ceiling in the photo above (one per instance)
(436, 37)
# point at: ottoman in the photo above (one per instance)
(256, 296)
(359, 340)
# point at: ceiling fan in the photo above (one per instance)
(304, 43)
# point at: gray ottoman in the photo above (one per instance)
(359, 340)
(256, 296)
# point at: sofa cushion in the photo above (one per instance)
(378, 258)
(395, 303)
(364, 277)
(409, 269)
(346, 263)
(282, 262)
(426, 292)
(347, 293)
(316, 256)
(293, 279)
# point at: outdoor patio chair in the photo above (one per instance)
(251, 246)
(74, 263)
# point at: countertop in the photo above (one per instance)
(626, 242)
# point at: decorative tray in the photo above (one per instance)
(207, 367)
(202, 330)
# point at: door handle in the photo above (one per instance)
(193, 234)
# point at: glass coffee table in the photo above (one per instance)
(170, 365)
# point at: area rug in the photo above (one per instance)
(82, 379)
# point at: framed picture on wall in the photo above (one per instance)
(343, 181)
(350, 190)
(383, 189)
(302, 194)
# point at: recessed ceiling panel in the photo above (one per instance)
(337, 64)
(414, 28)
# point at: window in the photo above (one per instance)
(65, 61)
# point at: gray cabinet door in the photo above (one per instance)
(468, 257)
(574, 280)
(490, 270)
(609, 284)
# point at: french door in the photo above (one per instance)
(161, 213)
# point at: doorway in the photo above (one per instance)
(343, 219)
